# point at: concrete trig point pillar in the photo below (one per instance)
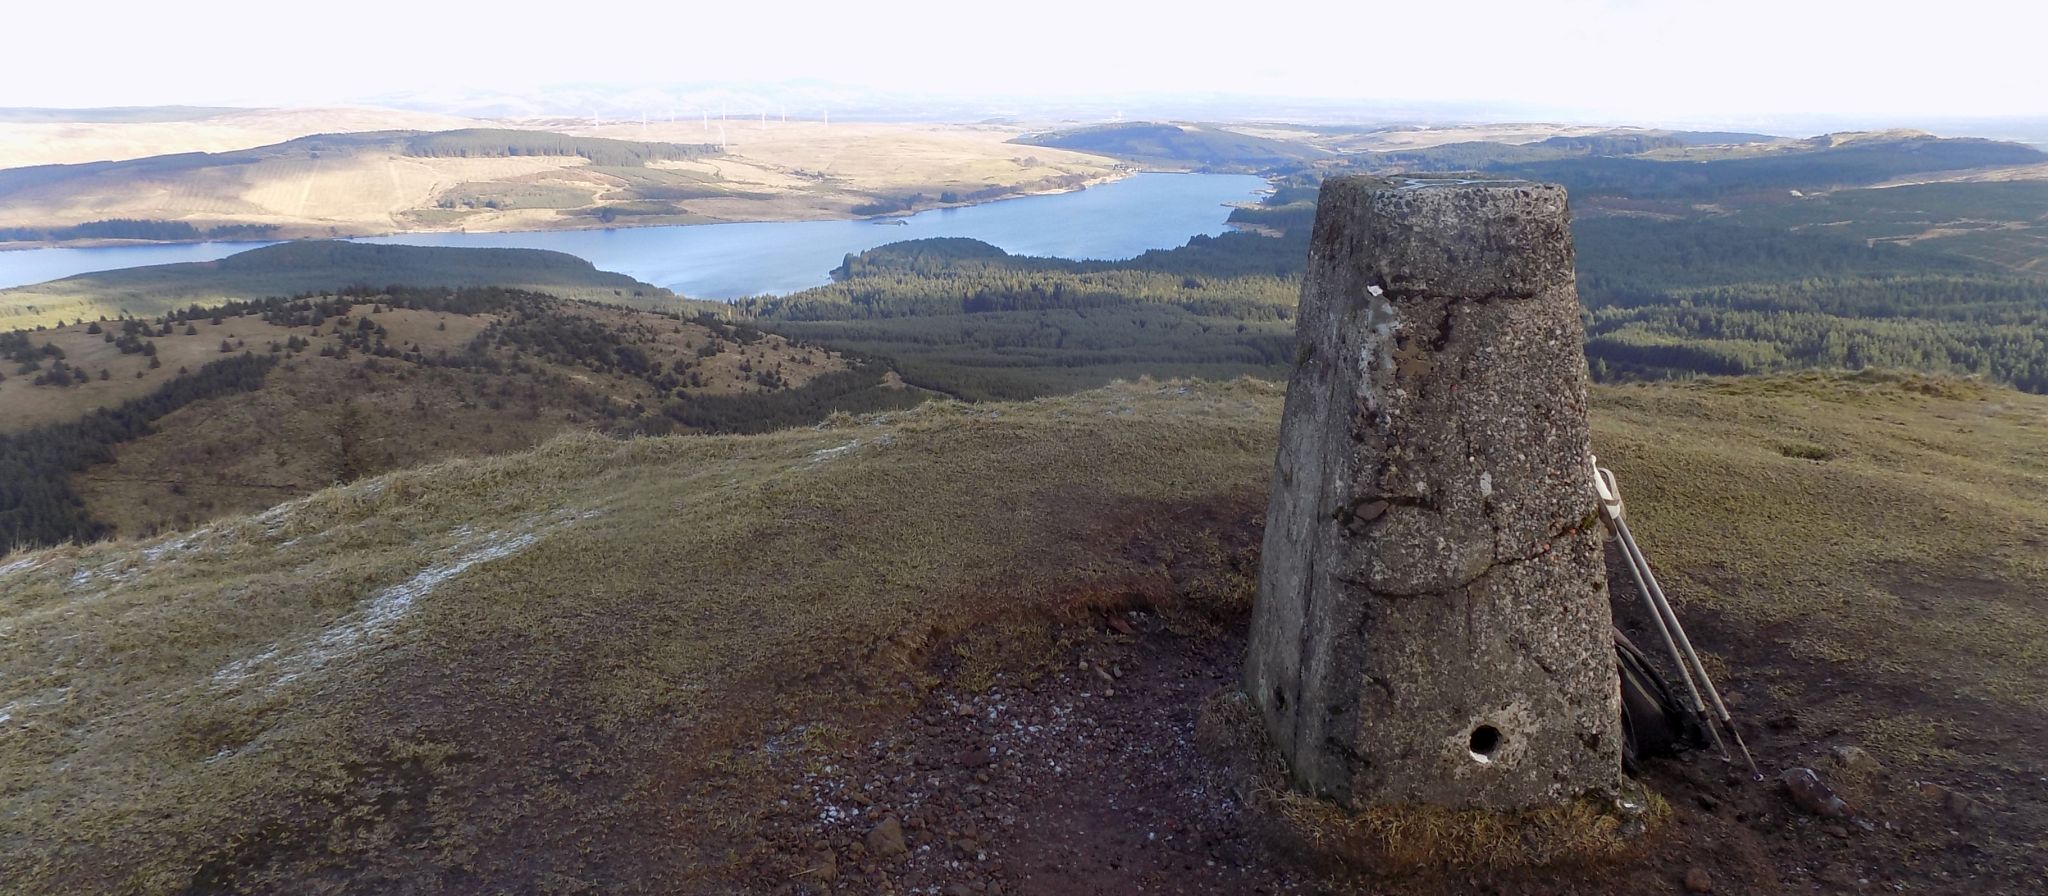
(1432, 624)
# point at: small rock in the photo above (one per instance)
(973, 759)
(887, 838)
(1812, 794)
(1955, 802)
(1836, 831)
(1698, 880)
(1962, 806)
(1122, 625)
(824, 866)
(1838, 875)
(1855, 759)
(957, 890)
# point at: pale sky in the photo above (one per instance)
(1643, 59)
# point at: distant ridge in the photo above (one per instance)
(319, 266)
(112, 114)
(1172, 144)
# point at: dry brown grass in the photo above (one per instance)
(790, 171)
(66, 143)
(211, 684)
(603, 634)
(244, 452)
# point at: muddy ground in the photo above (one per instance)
(1082, 775)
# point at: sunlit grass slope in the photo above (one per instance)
(549, 650)
(556, 671)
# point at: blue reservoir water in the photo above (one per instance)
(725, 261)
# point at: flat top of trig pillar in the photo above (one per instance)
(1431, 183)
(1457, 235)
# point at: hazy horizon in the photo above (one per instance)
(1615, 61)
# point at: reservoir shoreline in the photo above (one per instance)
(1119, 218)
(566, 225)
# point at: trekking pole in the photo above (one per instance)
(1611, 513)
(1668, 627)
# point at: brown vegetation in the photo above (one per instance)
(244, 452)
(657, 665)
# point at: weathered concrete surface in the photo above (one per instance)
(1432, 622)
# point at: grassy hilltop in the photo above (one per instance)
(318, 266)
(715, 664)
(966, 643)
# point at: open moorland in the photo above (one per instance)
(133, 425)
(73, 136)
(748, 664)
(320, 266)
(454, 587)
(510, 176)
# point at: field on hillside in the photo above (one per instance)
(54, 138)
(746, 663)
(376, 182)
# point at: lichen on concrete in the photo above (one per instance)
(1431, 576)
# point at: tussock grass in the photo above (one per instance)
(1928, 517)
(586, 708)
(676, 594)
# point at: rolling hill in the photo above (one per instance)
(318, 266)
(41, 136)
(954, 646)
(749, 664)
(495, 179)
(131, 425)
(1172, 145)
(350, 184)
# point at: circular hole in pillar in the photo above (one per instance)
(1485, 740)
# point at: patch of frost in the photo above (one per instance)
(387, 607)
(157, 552)
(824, 454)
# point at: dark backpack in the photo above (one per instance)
(1653, 723)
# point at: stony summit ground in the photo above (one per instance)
(964, 648)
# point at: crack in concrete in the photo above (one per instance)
(1549, 542)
